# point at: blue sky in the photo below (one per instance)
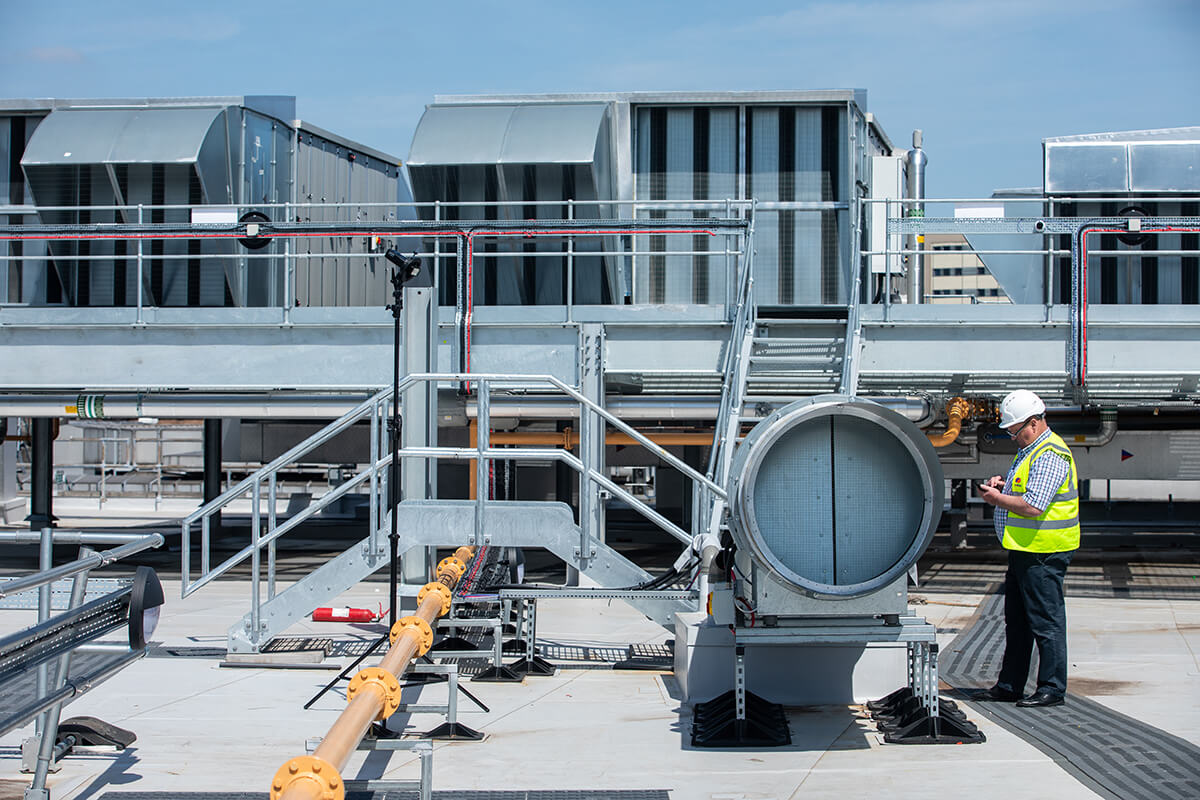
(986, 81)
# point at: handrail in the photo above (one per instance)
(736, 370)
(322, 436)
(368, 406)
(88, 562)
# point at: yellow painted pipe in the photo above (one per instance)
(374, 694)
(956, 411)
(569, 439)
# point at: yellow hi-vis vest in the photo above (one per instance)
(1056, 529)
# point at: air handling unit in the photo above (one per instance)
(832, 501)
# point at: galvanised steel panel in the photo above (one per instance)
(111, 136)
(197, 358)
(1165, 167)
(963, 348)
(1077, 168)
(559, 133)
(666, 348)
(528, 351)
(553, 134)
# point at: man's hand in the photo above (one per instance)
(992, 493)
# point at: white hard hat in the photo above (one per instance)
(1019, 406)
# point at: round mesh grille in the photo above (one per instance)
(836, 496)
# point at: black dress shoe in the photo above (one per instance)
(1003, 695)
(1039, 699)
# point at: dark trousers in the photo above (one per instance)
(1034, 612)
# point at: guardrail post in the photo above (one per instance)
(482, 484)
(48, 721)
(140, 279)
(255, 560)
(289, 282)
(373, 511)
(591, 439)
(570, 298)
(45, 562)
(271, 529)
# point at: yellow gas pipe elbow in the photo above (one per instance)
(957, 410)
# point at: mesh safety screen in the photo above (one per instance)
(838, 500)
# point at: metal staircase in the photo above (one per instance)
(425, 522)
(813, 353)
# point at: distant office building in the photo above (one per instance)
(956, 275)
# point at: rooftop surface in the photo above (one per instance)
(207, 728)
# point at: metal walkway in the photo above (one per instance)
(1114, 755)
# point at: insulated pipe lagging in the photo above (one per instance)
(1105, 434)
(374, 694)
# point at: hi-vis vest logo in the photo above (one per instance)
(1017, 482)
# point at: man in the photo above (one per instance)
(1037, 521)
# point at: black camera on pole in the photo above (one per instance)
(407, 267)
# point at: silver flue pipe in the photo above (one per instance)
(914, 186)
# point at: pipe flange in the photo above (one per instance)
(385, 680)
(441, 589)
(424, 632)
(464, 553)
(325, 777)
(453, 566)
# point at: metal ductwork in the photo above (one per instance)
(836, 496)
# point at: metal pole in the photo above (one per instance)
(570, 298)
(45, 562)
(212, 463)
(482, 429)
(271, 481)
(255, 559)
(140, 299)
(42, 485)
(51, 718)
(394, 433)
(288, 266)
(373, 515)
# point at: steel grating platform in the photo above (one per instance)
(1112, 754)
(1160, 576)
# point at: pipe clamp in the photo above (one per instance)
(328, 780)
(424, 632)
(387, 683)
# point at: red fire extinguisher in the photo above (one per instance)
(345, 614)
